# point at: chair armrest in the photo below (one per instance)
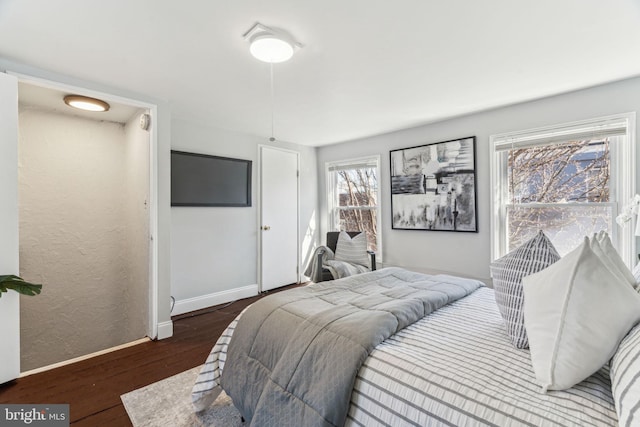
(372, 255)
(318, 270)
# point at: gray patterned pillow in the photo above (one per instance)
(636, 275)
(507, 273)
(352, 249)
(625, 379)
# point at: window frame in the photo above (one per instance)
(333, 217)
(622, 170)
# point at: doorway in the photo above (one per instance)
(279, 217)
(85, 213)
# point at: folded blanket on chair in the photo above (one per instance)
(338, 269)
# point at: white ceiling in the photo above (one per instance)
(52, 100)
(368, 66)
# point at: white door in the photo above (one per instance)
(9, 301)
(279, 217)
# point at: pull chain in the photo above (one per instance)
(272, 139)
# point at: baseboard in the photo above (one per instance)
(85, 357)
(204, 301)
(165, 330)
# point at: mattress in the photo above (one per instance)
(456, 367)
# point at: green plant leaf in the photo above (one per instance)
(19, 285)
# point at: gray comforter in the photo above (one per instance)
(294, 355)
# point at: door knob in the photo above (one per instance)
(266, 227)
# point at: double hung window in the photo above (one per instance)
(570, 181)
(354, 196)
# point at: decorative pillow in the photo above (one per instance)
(576, 312)
(636, 275)
(613, 259)
(625, 379)
(507, 273)
(352, 249)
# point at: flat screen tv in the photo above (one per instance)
(203, 180)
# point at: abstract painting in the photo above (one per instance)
(433, 186)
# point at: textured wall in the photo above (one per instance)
(73, 192)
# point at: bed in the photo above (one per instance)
(454, 366)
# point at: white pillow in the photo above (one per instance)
(353, 250)
(609, 256)
(576, 312)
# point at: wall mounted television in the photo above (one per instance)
(204, 180)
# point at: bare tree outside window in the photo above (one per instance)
(563, 189)
(357, 191)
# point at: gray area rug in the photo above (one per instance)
(168, 403)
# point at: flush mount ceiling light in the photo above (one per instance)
(86, 103)
(268, 48)
(269, 44)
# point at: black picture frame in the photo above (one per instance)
(203, 180)
(433, 186)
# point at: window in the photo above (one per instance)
(353, 197)
(569, 180)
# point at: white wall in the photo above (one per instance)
(78, 236)
(10, 301)
(214, 250)
(469, 253)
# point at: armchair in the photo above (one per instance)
(321, 272)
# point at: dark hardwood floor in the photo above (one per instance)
(93, 387)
